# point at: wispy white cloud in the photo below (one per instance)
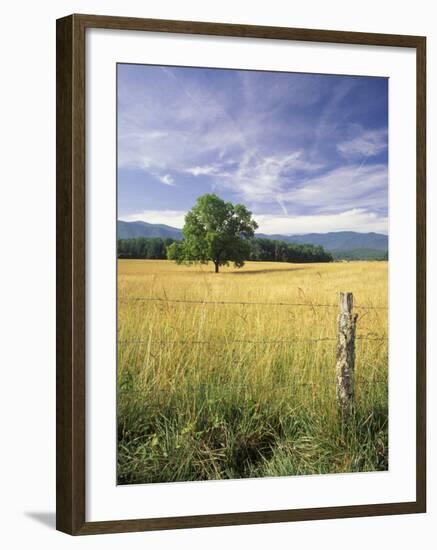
(278, 179)
(297, 145)
(183, 133)
(206, 170)
(270, 224)
(166, 179)
(350, 220)
(266, 177)
(365, 144)
(329, 120)
(343, 189)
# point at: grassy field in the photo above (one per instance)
(219, 391)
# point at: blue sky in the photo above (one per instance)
(305, 153)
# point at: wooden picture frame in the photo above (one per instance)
(71, 253)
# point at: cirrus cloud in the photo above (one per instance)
(287, 145)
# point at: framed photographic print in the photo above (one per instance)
(240, 274)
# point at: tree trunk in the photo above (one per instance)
(216, 264)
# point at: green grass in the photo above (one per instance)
(217, 434)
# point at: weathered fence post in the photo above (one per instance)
(346, 323)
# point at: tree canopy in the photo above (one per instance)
(215, 231)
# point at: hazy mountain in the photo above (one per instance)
(130, 230)
(342, 244)
(337, 240)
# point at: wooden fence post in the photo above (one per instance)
(346, 323)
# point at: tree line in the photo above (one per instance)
(144, 248)
(260, 250)
(269, 250)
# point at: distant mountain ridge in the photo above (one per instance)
(337, 240)
(131, 230)
(342, 244)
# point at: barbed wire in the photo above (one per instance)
(223, 302)
(246, 387)
(229, 342)
(225, 342)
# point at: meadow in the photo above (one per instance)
(212, 390)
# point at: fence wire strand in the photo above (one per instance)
(367, 337)
(241, 387)
(221, 302)
(257, 342)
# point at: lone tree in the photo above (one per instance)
(216, 231)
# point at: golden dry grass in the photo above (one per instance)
(229, 381)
